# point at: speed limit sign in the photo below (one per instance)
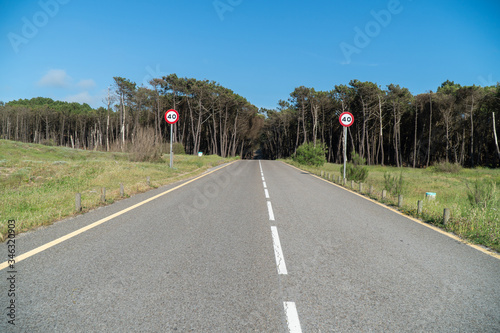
(171, 116)
(346, 119)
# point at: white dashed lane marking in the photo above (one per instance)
(278, 252)
(270, 210)
(292, 317)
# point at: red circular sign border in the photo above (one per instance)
(176, 119)
(346, 113)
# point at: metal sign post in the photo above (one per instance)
(171, 150)
(345, 149)
(171, 117)
(346, 119)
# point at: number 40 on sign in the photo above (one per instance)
(346, 119)
(171, 116)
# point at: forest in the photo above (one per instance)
(454, 124)
(214, 119)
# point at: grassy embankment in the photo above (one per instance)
(38, 183)
(472, 195)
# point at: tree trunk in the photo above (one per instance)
(447, 125)
(362, 143)
(297, 139)
(430, 132)
(472, 131)
(107, 131)
(224, 134)
(396, 150)
(415, 137)
(352, 139)
(123, 124)
(495, 135)
(338, 157)
(233, 148)
(304, 122)
(47, 126)
(462, 151)
(381, 137)
(214, 137)
(17, 127)
(314, 113)
(61, 141)
(160, 134)
(368, 154)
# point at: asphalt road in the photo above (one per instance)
(256, 246)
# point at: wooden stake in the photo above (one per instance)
(78, 202)
(446, 216)
(420, 204)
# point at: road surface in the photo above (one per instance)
(254, 246)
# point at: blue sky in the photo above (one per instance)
(71, 49)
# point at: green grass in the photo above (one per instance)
(38, 183)
(479, 224)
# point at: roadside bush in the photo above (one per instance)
(446, 167)
(483, 194)
(393, 184)
(144, 148)
(308, 154)
(178, 148)
(49, 142)
(356, 169)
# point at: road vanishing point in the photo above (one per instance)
(251, 246)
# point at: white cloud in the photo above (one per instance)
(83, 97)
(94, 101)
(86, 84)
(55, 78)
(80, 92)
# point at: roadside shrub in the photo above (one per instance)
(483, 194)
(144, 148)
(356, 169)
(48, 142)
(446, 167)
(393, 184)
(178, 148)
(308, 154)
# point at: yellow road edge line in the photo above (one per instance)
(430, 226)
(101, 221)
